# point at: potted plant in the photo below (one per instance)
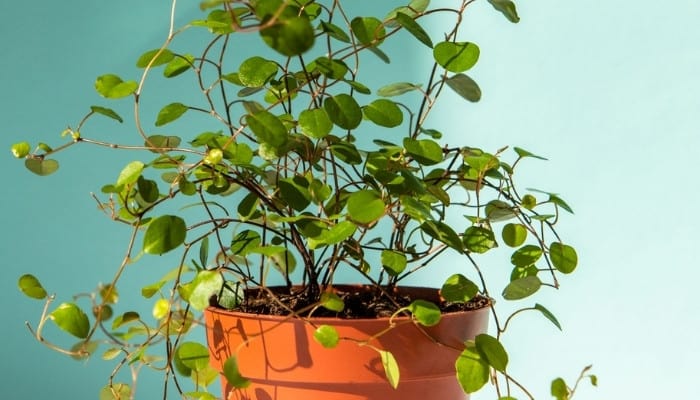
(313, 190)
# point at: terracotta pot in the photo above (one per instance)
(284, 362)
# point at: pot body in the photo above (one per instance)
(283, 361)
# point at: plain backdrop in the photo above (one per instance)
(608, 91)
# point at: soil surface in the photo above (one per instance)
(360, 301)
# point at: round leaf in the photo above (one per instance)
(290, 36)
(267, 128)
(514, 235)
(233, 375)
(425, 312)
(465, 87)
(70, 318)
(204, 285)
(365, 206)
(155, 57)
(425, 151)
(492, 351)
(30, 286)
(456, 57)
(164, 233)
(326, 336)
(193, 355)
(117, 391)
(368, 30)
(458, 289)
(315, 123)
(526, 255)
(472, 371)
(478, 239)
(130, 174)
(170, 113)
(564, 257)
(344, 111)
(332, 301)
(256, 71)
(384, 112)
(522, 288)
(41, 166)
(393, 262)
(21, 149)
(113, 87)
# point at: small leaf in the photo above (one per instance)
(30, 286)
(391, 368)
(334, 235)
(507, 8)
(178, 65)
(332, 301)
(456, 57)
(326, 336)
(472, 371)
(233, 375)
(478, 239)
(290, 36)
(70, 318)
(514, 235)
(384, 112)
(113, 87)
(522, 288)
(526, 255)
(130, 174)
(160, 308)
(41, 166)
(125, 318)
(368, 30)
(559, 389)
(444, 233)
(155, 57)
(343, 110)
(204, 285)
(492, 351)
(564, 257)
(425, 151)
(425, 312)
(414, 29)
(315, 123)
(393, 262)
(21, 149)
(524, 153)
(465, 87)
(108, 112)
(396, 89)
(458, 289)
(365, 206)
(115, 391)
(548, 314)
(267, 128)
(335, 32)
(164, 234)
(256, 71)
(193, 355)
(170, 113)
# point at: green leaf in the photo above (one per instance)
(267, 128)
(334, 69)
(425, 312)
(564, 257)
(472, 371)
(465, 87)
(368, 30)
(456, 57)
(507, 8)
(162, 142)
(231, 295)
(444, 233)
(155, 57)
(559, 389)
(425, 151)
(30, 286)
(326, 336)
(514, 235)
(396, 89)
(343, 110)
(492, 351)
(478, 239)
(391, 368)
(21, 149)
(522, 288)
(365, 206)
(108, 112)
(233, 375)
(315, 123)
(414, 29)
(41, 166)
(548, 314)
(525, 154)
(256, 71)
(70, 318)
(170, 113)
(335, 32)
(384, 112)
(332, 301)
(526, 255)
(130, 174)
(393, 262)
(193, 355)
(295, 192)
(334, 235)
(116, 391)
(113, 87)
(415, 208)
(244, 242)
(125, 318)
(289, 36)
(204, 285)
(178, 65)
(164, 234)
(559, 202)
(458, 289)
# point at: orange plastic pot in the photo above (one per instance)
(283, 361)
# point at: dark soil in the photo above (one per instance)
(360, 301)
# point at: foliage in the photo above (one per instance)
(308, 170)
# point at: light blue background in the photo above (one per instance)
(608, 91)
